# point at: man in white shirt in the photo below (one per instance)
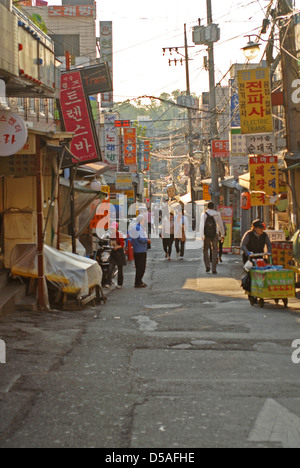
(211, 225)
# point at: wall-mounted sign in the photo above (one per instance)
(129, 146)
(96, 79)
(13, 133)
(106, 50)
(220, 149)
(72, 10)
(77, 120)
(255, 101)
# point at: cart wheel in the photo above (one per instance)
(285, 302)
(252, 300)
(261, 302)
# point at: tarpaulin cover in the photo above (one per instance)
(71, 273)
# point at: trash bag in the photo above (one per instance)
(246, 282)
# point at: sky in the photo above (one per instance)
(142, 29)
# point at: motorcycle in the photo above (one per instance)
(102, 256)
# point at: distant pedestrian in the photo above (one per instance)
(180, 229)
(140, 242)
(168, 234)
(210, 225)
(221, 242)
(117, 256)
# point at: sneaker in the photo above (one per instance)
(119, 287)
(107, 286)
(140, 285)
(214, 272)
(207, 270)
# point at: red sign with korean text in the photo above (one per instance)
(76, 118)
(220, 149)
(71, 10)
(129, 146)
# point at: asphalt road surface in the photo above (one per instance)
(185, 363)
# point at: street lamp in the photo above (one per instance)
(251, 50)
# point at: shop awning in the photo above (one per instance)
(244, 181)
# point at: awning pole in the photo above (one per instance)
(40, 235)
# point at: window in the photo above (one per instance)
(66, 43)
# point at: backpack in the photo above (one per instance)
(210, 228)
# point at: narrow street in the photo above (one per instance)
(184, 363)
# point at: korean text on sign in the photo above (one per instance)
(220, 149)
(263, 179)
(76, 117)
(255, 101)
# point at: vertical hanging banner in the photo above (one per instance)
(106, 50)
(255, 101)
(111, 141)
(129, 146)
(77, 119)
(227, 218)
(263, 179)
(146, 164)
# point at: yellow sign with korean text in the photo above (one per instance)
(255, 101)
(264, 183)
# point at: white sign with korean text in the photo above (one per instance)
(263, 143)
(13, 133)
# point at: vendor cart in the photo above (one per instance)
(271, 282)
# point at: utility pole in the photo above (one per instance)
(190, 122)
(290, 75)
(215, 195)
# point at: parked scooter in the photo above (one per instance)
(102, 256)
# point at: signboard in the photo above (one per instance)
(72, 10)
(77, 120)
(30, 145)
(111, 149)
(227, 218)
(263, 179)
(146, 155)
(122, 123)
(275, 284)
(129, 146)
(13, 133)
(261, 143)
(282, 254)
(220, 148)
(206, 194)
(123, 181)
(234, 103)
(22, 165)
(255, 101)
(238, 145)
(96, 79)
(106, 51)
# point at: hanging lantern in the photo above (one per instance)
(246, 201)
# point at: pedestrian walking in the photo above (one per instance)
(255, 241)
(180, 229)
(221, 242)
(168, 234)
(210, 225)
(117, 256)
(140, 242)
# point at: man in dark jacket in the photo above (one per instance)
(255, 240)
